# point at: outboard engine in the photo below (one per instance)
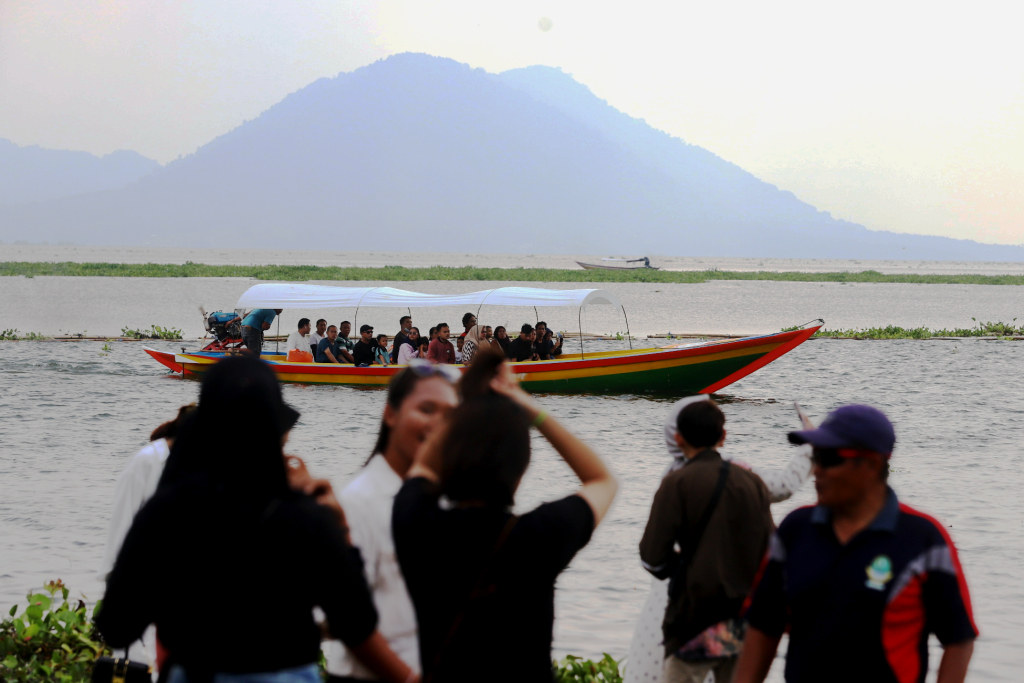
(217, 325)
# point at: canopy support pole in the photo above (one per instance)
(536, 316)
(628, 336)
(580, 319)
(277, 344)
(355, 324)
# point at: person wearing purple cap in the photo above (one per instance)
(860, 580)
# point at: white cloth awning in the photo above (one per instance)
(286, 295)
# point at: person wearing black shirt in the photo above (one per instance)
(405, 323)
(521, 349)
(481, 579)
(548, 346)
(363, 352)
(224, 515)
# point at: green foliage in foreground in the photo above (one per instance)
(49, 641)
(154, 332)
(575, 670)
(987, 329)
(399, 273)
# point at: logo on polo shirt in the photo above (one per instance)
(879, 573)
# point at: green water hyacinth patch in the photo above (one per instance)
(154, 332)
(399, 273)
(986, 329)
(52, 639)
(574, 669)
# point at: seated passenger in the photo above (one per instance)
(381, 352)
(298, 340)
(365, 349)
(409, 349)
(522, 348)
(329, 350)
(460, 344)
(344, 330)
(548, 345)
(441, 350)
(315, 337)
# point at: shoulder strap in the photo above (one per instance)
(479, 589)
(693, 539)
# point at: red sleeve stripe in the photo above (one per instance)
(960, 578)
(757, 578)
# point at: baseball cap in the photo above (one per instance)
(854, 426)
(365, 328)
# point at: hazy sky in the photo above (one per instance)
(899, 116)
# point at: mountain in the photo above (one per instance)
(420, 153)
(33, 174)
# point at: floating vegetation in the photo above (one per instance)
(15, 335)
(154, 332)
(399, 273)
(986, 329)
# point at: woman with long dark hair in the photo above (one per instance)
(228, 561)
(418, 400)
(481, 578)
(501, 337)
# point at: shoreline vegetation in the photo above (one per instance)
(989, 330)
(470, 273)
(53, 639)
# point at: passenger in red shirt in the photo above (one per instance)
(440, 349)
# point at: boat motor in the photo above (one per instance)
(217, 325)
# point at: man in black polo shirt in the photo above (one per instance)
(860, 579)
(363, 352)
(521, 349)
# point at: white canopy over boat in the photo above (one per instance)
(288, 295)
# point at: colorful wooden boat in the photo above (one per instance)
(695, 367)
(703, 367)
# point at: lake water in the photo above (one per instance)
(71, 415)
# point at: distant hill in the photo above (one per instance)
(33, 174)
(420, 153)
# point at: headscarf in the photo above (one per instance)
(670, 428)
(232, 441)
(471, 345)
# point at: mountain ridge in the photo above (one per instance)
(422, 153)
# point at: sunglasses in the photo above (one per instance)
(832, 457)
(424, 368)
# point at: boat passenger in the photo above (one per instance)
(432, 335)
(441, 350)
(460, 344)
(226, 516)
(254, 325)
(298, 340)
(365, 351)
(468, 323)
(316, 336)
(344, 332)
(381, 354)
(481, 578)
(501, 338)
(486, 335)
(418, 398)
(521, 349)
(405, 325)
(548, 345)
(330, 351)
(471, 340)
(409, 350)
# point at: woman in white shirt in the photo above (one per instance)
(418, 398)
(409, 349)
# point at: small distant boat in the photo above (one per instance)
(641, 263)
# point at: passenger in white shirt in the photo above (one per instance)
(407, 349)
(298, 339)
(417, 398)
(320, 333)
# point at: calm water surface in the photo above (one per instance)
(72, 414)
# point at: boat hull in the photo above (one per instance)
(696, 368)
(596, 266)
